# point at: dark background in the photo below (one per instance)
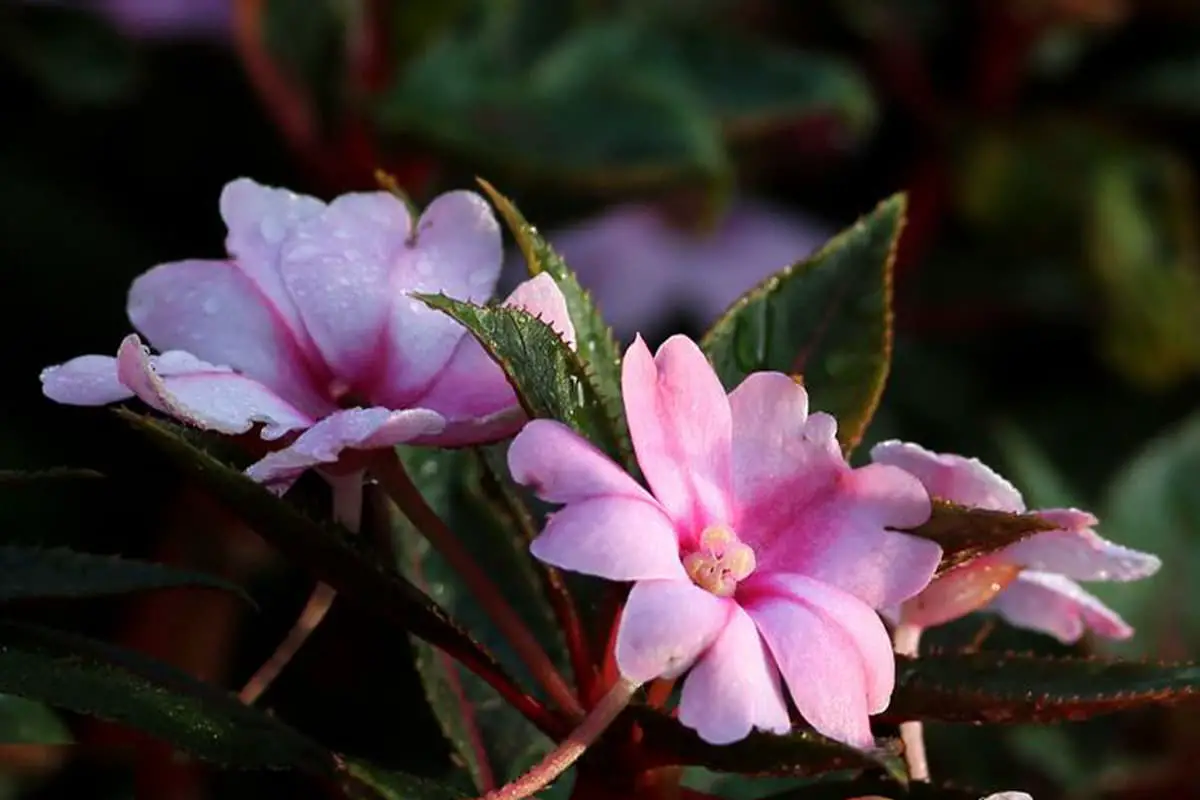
(1048, 286)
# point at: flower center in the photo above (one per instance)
(720, 562)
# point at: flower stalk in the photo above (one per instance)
(907, 642)
(395, 481)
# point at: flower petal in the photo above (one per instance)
(473, 389)
(822, 666)
(338, 268)
(1079, 553)
(832, 524)
(563, 467)
(1058, 606)
(680, 423)
(854, 617)
(354, 428)
(259, 219)
(665, 627)
(734, 687)
(967, 481)
(203, 395)
(456, 250)
(84, 381)
(214, 311)
(618, 538)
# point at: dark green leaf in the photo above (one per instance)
(855, 788)
(494, 741)
(828, 318)
(363, 781)
(595, 344)
(602, 131)
(77, 56)
(748, 85)
(1022, 687)
(968, 533)
(1170, 86)
(17, 477)
(548, 376)
(34, 572)
(327, 550)
(25, 721)
(798, 753)
(100, 680)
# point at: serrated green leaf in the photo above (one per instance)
(550, 380)
(856, 788)
(968, 533)
(828, 318)
(35, 572)
(1023, 687)
(594, 340)
(100, 680)
(363, 781)
(326, 549)
(798, 753)
(495, 743)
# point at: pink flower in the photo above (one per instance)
(757, 550)
(1031, 583)
(641, 270)
(308, 326)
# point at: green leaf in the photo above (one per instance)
(749, 85)
(968, 533)
(870, 786)
(828, 318)
(100, 680)
(326, 549)
(595, 344)
(1170, 85)
(363, 781)
(25, 721)
(603, 131)
(18, 477)
(1011, 688)
(34, 572)
(801, 752)
(550, 380)
(493, 740)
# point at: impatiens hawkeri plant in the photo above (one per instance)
(614, 565)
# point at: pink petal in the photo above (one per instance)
(614, 537)
(773, 443)
(665, 627)
(472, 390)
(1079, 553)
(563, 467)
(959, 592)
(84, 381)
(963, 480)
(354, 428)
(822, 665)
(259, 218)
(457, 251)
(734, 687)
(203, 395)
(213, 310)
(853, 617)
(1058, 606)
(831, 523)
(338, 268)
(680, 423)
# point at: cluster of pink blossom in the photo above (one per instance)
(760, 560)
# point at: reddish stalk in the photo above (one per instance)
(395, 481)
(347, 509)
(907, 642)
(659, 692)
(570, 749)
